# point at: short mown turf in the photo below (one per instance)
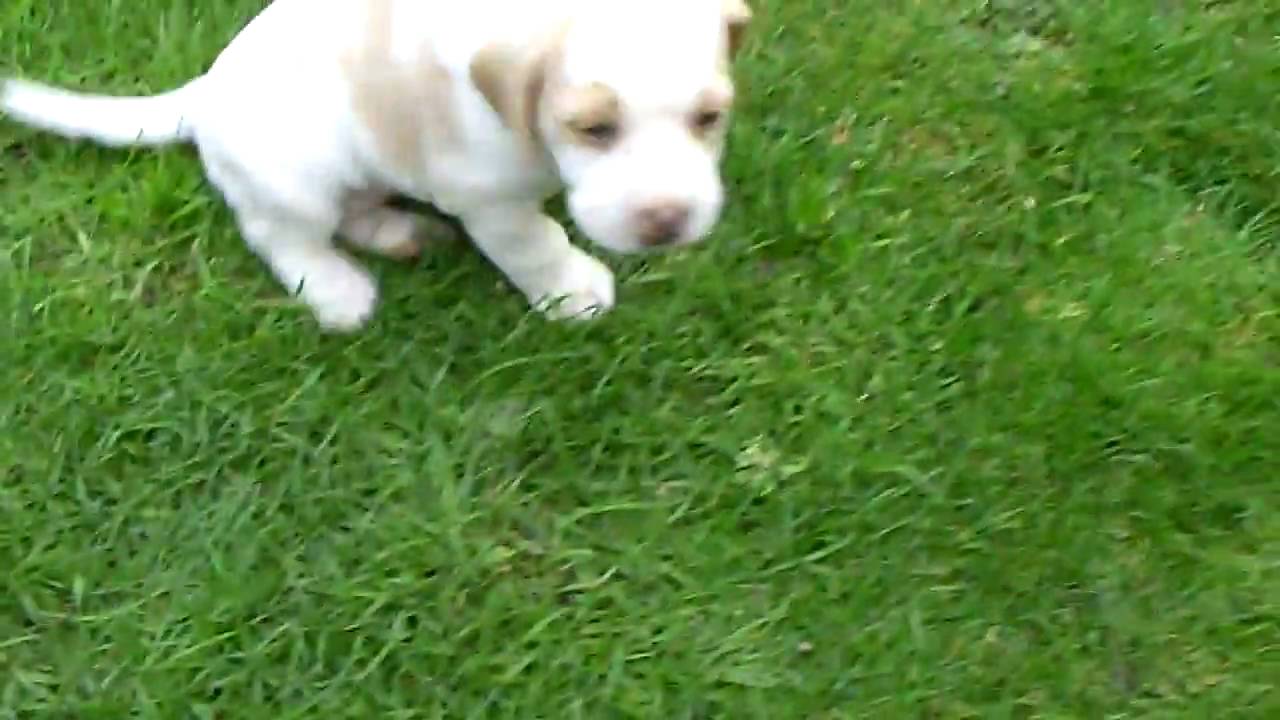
(970, 408)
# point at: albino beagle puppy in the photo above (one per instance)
(319, 111)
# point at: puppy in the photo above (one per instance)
(319, 111)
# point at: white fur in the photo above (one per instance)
(276, 129)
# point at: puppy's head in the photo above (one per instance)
(632, 101)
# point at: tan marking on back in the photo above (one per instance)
(406, 106)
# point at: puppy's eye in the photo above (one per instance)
(707, 120)
(601, 133)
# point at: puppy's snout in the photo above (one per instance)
(663, 223)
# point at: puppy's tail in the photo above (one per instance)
(116, 121)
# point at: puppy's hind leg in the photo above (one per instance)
(288, 206)
(370, 224)
(290, 221)
(299, 249)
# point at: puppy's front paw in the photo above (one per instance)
(581, 288)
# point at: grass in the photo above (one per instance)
(970, 409)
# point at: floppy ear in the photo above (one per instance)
(737, 16)
(512, 81)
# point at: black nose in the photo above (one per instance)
(663, 223)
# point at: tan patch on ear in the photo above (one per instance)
(408, 107)
(491, 72)
(514, 82)
(737, 16)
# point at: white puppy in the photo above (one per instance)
(321, 110)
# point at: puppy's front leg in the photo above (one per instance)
(535, 254)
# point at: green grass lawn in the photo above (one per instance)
(970, 409)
